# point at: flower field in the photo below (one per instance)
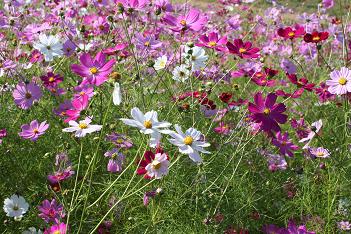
(153, 116)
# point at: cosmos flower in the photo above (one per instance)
(33, 130)
(340, 82)
(243, 50)
(121, 141)
(77, 106)
(266, 112)
(284, 144)
(94, 71)
(15, 206)
(32, 230)
(344, 225)
(158, 166)
(50, 46)
(288, 66)
(82, 128)
(148, 124)
(314, 129)
(60, 228)
(26, 94)
(181, 73)
(50, 211)
(315, 37)
(289, 33)
(191, 21)
(195, 57)
(51, 80)
(323, 94)
(319, 152)
(160, 63)
(116, 160)
(3, 134)
(147, 42)
(189, 142)
(213, 41)
(327, 4)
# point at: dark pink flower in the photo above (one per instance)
(33, 130)
(323, 94)
(266, 112)
(94, 71)
(243, 50)
(289, 33)
(51, 80)
(57, 229)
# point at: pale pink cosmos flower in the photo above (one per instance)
(340, 82)
(33, 130)
(319, 152)
(315, 128)
(26, 94)
(158, 167)
(191, 21)
(82, 128)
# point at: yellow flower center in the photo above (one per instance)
(36, 131)
(183, 22)
(291, 34)
(188, 140)
(83, 125)
(82, 93)
(93, 70)
(51, 79)
(15, 207)
(242, 50)
(316, 38)
(63, 113)
(147, 124)
(162, 64)
(156, 164)
(57, 232)
(212, 43)
(28, 95)
(266, 111)
(320, 154)
(147, 44)
(119, 140)
(342, 81)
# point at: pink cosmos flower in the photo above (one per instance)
(319, 152)
(57, 229)
(94, 71)
(115, 49)
(340, 82)
(116, 160)
(78, 105)
(163, 5)
(192, 21)
(147, 42)
(289, 33)
(267, 112)
(323, 94)
(26, 94)
(243, 50)
(284, 144)
(3, 134)
(328, 4)
(50, 211)
(213, 41)
(33, 130)
(158, 167)
(222, 128)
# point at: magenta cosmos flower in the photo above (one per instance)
(51, 80)
(94, 71)
(33, 130)
(340, 82)
(213, 41)
(25, 94)
(284, 144)
(57, 229)
(267, 112)
(192, 21)
(50, 211)
(243, 50)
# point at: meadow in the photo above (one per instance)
(140, 116)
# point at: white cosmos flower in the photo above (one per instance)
(315, 128)
(160, 63)
(195, 57)
(189, 142)
(181, 73)
(15, 206)
(148, 124)
(116, 95)
(158, 167)
(50, 46)
(32, 230)
(82, 128)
